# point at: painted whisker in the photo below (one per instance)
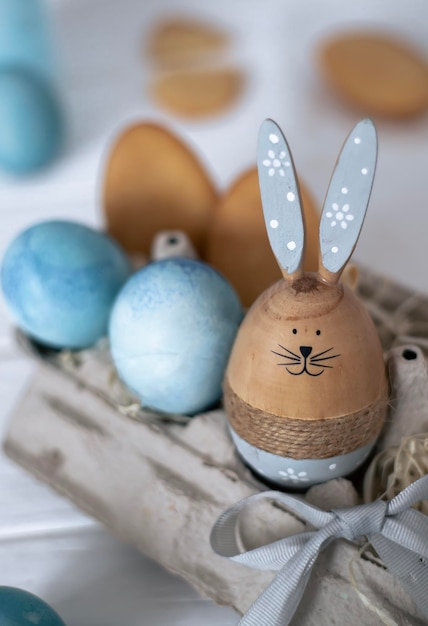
(286, 356)
(315, 356)
(324, 358)
(289, 351)
(330, 367)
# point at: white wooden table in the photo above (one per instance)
(46, 545)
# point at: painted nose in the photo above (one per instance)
(305, 350)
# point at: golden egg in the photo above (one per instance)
(154, 182)
(237, 243)
(376, 73)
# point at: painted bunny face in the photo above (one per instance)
(306, 347)
(307, 351)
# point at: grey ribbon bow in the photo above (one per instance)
(398, 533)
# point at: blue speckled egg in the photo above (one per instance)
(171, 332)
(31, 123)
(60, 279)
(22, 608)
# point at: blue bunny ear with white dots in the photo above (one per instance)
(280, 198)
(347, 199)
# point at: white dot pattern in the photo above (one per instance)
(339, 217)
(289, 475)
(350, 189)
(280, 197)
(276, 163)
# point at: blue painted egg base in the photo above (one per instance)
(298, 473)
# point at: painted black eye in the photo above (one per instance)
(294, 331)
(318, 332)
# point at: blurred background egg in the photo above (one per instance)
(237, 244)
(60, 279)
(22, 608)
(171, 332)
(153, 181)
(31, 123)
(26, 36)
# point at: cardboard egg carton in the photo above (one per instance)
(160, 484)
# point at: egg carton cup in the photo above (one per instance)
(160, 482)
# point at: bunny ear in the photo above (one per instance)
(280, 198)
(347, 199)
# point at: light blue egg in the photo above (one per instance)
(22, 608)
(171, 332)
(60, 279)
(31, 123)
(25, 37)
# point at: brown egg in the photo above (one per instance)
(198, 93)
(179, 42)
(376, 73)
(237, 243)
(154, 182)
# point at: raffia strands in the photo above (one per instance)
(302, 439)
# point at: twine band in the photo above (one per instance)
(304, 439)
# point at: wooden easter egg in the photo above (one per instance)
(376, 73)
(305, 390)
(237, 243)
(179, 42)
(153, 182)
(198, 93)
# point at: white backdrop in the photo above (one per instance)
(46, 545)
